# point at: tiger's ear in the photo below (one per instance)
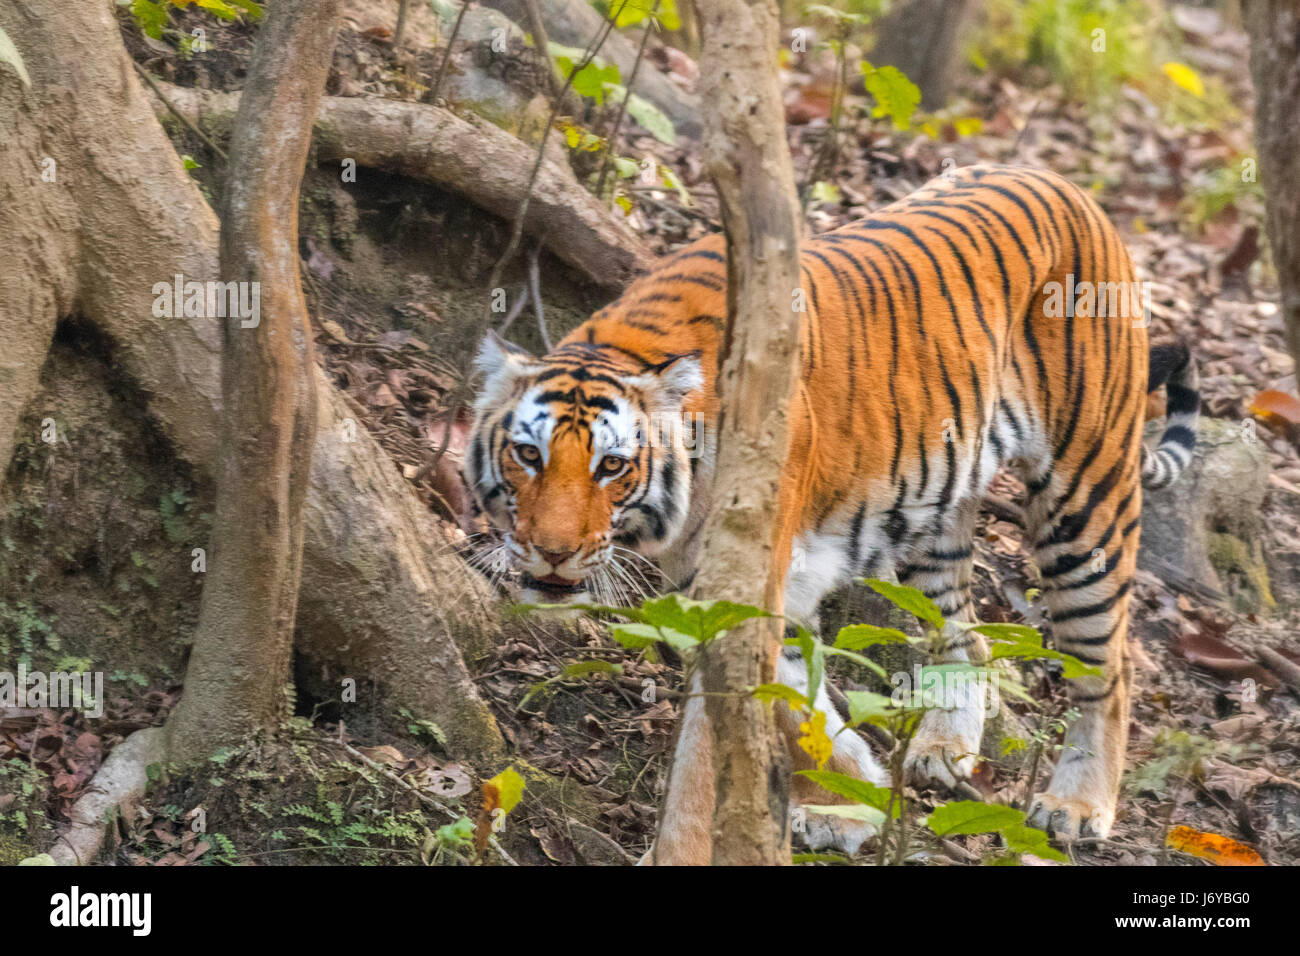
(500, 363)
(673, 379)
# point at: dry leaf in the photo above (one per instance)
(1221, 850)
(1270, 404)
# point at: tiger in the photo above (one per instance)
(972, 326)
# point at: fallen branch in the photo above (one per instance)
(1289, 671)
(470, 156)
(121, 778)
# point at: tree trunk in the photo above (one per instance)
(746, 546)
(921, 38)
(1274, 27)
(383, 597)
(238, 670)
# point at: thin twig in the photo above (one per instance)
(1020, 135)
(446, 56)
(515, 309)
(535, 286)
(612, 139)
(153, 85)
(542, 44)
(521, 213)
(401, 23)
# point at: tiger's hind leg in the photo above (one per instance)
(1086, 549)
(947, 742)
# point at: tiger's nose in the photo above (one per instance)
(556, 558)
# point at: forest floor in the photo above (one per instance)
(1216, 735)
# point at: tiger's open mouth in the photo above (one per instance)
(553, 586)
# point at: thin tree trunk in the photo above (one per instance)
(384, 597)
(1274, 27)
(746, 546)
(238, 670)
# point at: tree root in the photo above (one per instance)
(120, 779)
(467, 155)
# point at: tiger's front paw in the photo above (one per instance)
(945, 748)
(1070, 818)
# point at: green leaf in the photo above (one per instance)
(770, 692)
(591, 80)
(909, 599)
(852, 788)
(703, 620)
(627, 168)
(1026, 839)
(799, 858)
(656, 123)
(9, 54)
(814, 656)
(823, 191)
(218, 8)
(858, 659)
(151, 16)
(896, 96)
(830, 13)
(41, 859)
(972, 816)
(868, 707)
(848, 811)
(672, 182)
(633, 12)
(636, 636)
(1007, 632)
(857, 636)
(1026, 643)
(587, 668)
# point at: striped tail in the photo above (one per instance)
(1172, 366)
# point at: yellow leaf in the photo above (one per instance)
(1222, 850)
(505, 790)
(1185, 77)
(814, 741)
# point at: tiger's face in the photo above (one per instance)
(581, 459)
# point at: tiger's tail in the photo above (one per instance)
(1172, 367)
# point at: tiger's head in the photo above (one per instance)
(582, 459)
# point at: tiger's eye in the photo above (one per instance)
(611, 465)
(528, 454)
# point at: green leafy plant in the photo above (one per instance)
(686, 624)
(154, 20)
(33, 632)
